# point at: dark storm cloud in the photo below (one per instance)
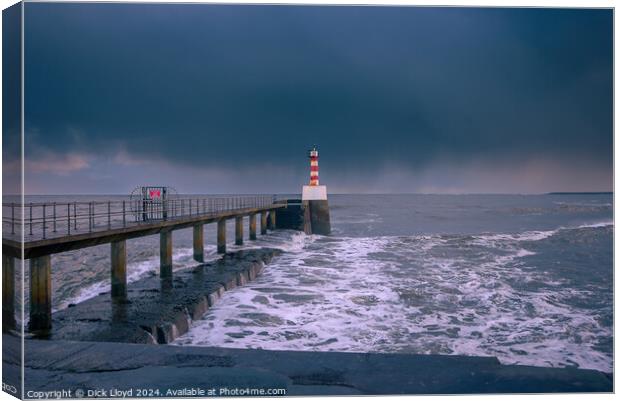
(235, 86)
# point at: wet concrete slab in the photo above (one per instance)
(171, 370)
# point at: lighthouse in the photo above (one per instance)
(314, 167)
(314, 200)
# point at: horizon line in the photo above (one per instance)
(341, 193)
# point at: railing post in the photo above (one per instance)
(123, 213)
(30, 218)
(109, 217)
(90, 221)
(13, 218)
(75, 216)
(68, 219)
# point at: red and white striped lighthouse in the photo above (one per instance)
(314, 166)
(314, 200)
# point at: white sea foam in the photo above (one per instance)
(408, 294)
(597, 225)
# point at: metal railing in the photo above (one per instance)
(55, 219)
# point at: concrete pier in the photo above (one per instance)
(119, 270)
(165, 254)
(221, 236)
(292, 216)
(272, 220)
(38, 247)
(252, 225)
(199, 249)
(239, 230)
(263, 223)
(8, 293)
(316, 210)
(40, 294)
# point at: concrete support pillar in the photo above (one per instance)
(239, 230)
(221, 236)
(316, 217)
(8, 292)
(165, 254)
(40, 294)
(272, 220)
(199, 249)
(263, 223)
(252, 227)
(119, 270)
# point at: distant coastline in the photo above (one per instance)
(580, 193)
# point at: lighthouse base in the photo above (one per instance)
(316, 210)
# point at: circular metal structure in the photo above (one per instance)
(148, 203)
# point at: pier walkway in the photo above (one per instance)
(49, 228)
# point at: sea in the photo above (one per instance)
(525, 278)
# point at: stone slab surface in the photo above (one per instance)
(54, 365)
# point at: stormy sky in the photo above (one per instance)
(228, 99)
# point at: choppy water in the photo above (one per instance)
(528, 279)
